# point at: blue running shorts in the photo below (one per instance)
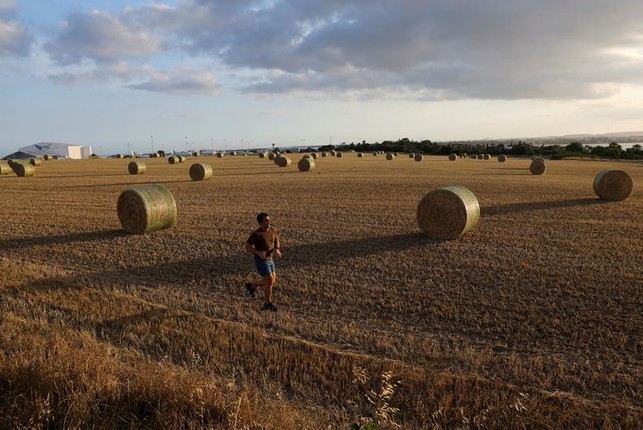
(264, 267)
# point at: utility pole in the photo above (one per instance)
(186, 144)
(152, 139)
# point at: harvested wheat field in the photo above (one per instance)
(532, 319)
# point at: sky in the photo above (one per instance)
(125, 75)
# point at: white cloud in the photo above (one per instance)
(15, 39)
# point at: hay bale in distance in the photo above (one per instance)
(453, 157)
(262, 155)
(502, 158)
(272, 156)
(418, 157)
(283, 161)
(411, 155)
(136, 167)
(172, 160)
(613, 185)
(35, 162)
(23, 169)
(323, 154)
(486, 156)
(360, 154)
(306, 164)
(339, 154)
(448, 212)
(537, 166)
(5, 168)
(390, 156)
(181, 158)
(200, 172)
(333, 153)
(375, 154)
(307, 156)
(314, 155)
(146, 209)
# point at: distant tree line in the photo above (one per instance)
(517, 148)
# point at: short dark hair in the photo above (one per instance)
(262, 216)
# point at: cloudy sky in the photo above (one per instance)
(121, 74)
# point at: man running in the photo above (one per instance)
(264, 244)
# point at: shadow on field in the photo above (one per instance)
(61, 239)
(128, 183)
(536, 206)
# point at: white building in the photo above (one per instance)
(62, 150)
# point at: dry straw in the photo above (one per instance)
(323, 154)
(339, 154)
(502, 158)
(181, 158)
(35, 162)
(262, 155)
(282, 161)
(136, 167)
(314, 155)
(537, 166)
(219, 154)
(46, 157)
(453, 157)
(333, 152)
(172, 160)
(411, 155)
(448, 212)
(307, 156)
(272, 156)
(418, 157)
(200, 172)
(5, 168)
(613, 185)
(306, 164)
(486, 156)
(375, 154)
(146, 209)
(389, 156)
(23, 169)
(360, 155)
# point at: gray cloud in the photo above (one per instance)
(15, 38)
(425, 49)
(180, 82)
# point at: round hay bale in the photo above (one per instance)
(480, 157)
(200, 172)
(35, 162)
(537, 166)
(360, 155)
(307, 156)
(172, 160)
(452, 157)
(333, 152)
(46, 157)
(181, 158)
(411, 155)
(195, 154)
(282, 161)
(145, 209)
(389, 156)
(233, 153)
(262, 155)
(136, 167)
(323, 154)
(5, 168)
(375, 154)
(306, 164)
(314, 155)
(339, 154)
(502, 158)
(23, 169)
(219, 154)
(418, 157)
(448, 212)
(613, 185)
(486, 156)
(272, 156)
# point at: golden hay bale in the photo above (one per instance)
(375, 154)
(323, 154)
(389, 156)
(119, 155)
(23, 169)
(5, 168)
(283, 161)
(448, 212)
(136, 167)
(172, 160)
(502, 158)
(339, 154)
(181, 158)
(418, 157)
(314, 155)
(272, 156)
(537, 166)
(46, 157)
(145, 209)
(480, 157)
(35, 162)
(486, 156)
(233, 153)
(262, 155)
(411, 155)
(360, 155)
(219, 154)
(200, 171)
(307, 156)
(452, 157)
(613, 185)
(333, 152)
(306, 164)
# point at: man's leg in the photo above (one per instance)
(268, 282)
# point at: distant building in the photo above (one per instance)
(61, 150)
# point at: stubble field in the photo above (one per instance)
(532, 319)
